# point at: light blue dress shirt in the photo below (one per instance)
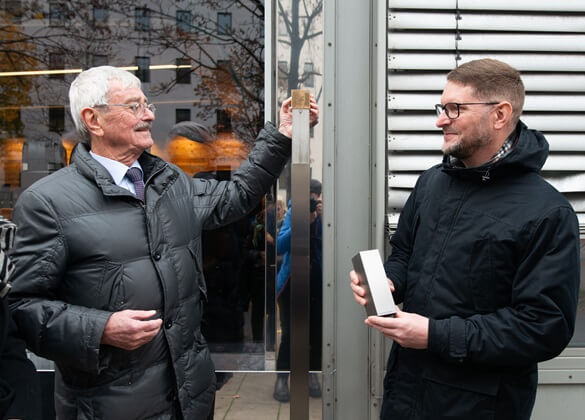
(118, 171)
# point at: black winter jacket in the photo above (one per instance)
(491, 256)
(20, 392)
(86, 248)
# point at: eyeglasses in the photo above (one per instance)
(138, 108)
(452, 109)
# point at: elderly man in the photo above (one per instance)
(485, 259)
(108, 280)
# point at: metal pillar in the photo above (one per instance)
(300, 177)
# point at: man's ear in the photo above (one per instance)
(503, 115)
(92, 121)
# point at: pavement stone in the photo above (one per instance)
(248, 396)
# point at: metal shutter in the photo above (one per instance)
(543, 39)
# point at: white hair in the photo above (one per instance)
(91, 88)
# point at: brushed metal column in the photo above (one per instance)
(299, 304)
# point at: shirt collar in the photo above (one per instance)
(116, 169)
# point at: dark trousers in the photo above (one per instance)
(315, 323)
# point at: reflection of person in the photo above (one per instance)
(254, 270)
(19, 384)
(281, 390)
(485, 260)
(108, 279)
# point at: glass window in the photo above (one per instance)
(10, 120)
(143, 72)
(282, 74)
(184, 20)
(308, 75)
(223, 122)
(56, 14)
(222, 89)
(224, 23)
(183, 71)
(282, 30)
(14, 9)
(57, 119)
(99, 60)
(142, 19)
(100, 15)
(182, 114)
(56, 62)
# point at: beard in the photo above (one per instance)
(467, 146)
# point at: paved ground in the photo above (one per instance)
(248, 396)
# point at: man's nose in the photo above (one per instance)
(148, 115)
(442, 120)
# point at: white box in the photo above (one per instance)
(370, 270)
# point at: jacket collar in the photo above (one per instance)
(92, 169)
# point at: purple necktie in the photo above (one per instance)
(135, 175)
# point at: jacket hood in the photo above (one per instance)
(529, 154)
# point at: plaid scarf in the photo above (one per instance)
(506, 147)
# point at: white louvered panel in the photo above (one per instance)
(565, 162)
(553, 82)
(544, 123)
(568, 183)
(579, 206)
(549, 103)
(397, 199)
(489, 42)
(522, 62)
(398, 162)
(544, 40)
(499, 5)
(473, 21)
(402, 180)
(433, 142)
(406, 142)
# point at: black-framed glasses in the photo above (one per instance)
(453, 109)
(138, 108)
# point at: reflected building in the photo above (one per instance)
(199, 61)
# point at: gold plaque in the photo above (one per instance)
(301, 99)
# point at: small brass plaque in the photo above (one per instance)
(301, 99)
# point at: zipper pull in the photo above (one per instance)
(486, 175)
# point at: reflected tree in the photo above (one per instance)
(219, 43)
(298, 18)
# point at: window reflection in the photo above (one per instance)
(300, 57)
(193, 75)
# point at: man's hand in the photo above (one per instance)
(129, 329)
(359, 293)
(285, 126)
(407, 329)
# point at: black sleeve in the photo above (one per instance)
(20, 395)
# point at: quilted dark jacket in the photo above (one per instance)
(491, 256)
(86, 248)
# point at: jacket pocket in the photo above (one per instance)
(113, 285)
(454, 392)
(99, 285)
(194, 247)
(481, 275)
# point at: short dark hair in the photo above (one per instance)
(315, 187)
(492, 80)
